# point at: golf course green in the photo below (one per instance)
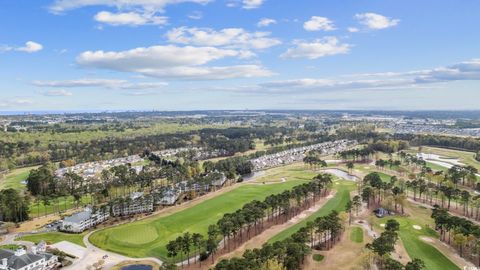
(147, 238)
(416, 248)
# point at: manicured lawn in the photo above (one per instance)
(37, 208)
(318, 257)
(14, 178)
(436, 167)
(337, 203)
(356, 235)
(416, 248)
(147, 238)
(11, 247)
(54, 237)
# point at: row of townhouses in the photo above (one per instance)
(297, 154)
(93, 170)
(136, 203)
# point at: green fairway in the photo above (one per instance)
(356, 235)
(148, 237)
(416, 248)
(15, 178)
(38, 208)
(337, 203)
(54, 237)
(436, 167)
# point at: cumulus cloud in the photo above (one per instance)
(228, 37)
(266, 22)
(129, 18)
(171, 61)
(376, 21)
(317, 23)
(105, 83)
(61, 6)
(29, 47)
(57, 93)
(317, 49)
(252, 4)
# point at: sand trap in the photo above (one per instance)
(366, 168)
(416, 227)
(427, 239)
(382, 225)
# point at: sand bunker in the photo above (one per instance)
(427, 239)
(416, 227)
(382, 225)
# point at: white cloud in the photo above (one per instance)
(15, 103)
(57, 93)
(251, 4)
(228, 37)
(30, 47)
(353, 29)
(317, 49)
(60, 6)
(317, 23)
(266, 22)
(196, 15)
(105, 83)
(129, 18)
(171, 61)
(376, 21)
(417, 79)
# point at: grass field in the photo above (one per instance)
(436, 167)
(54, 237)
(416, 248)
(356, 235)
(147, 238)
(11, 247)
(14, 178)
(60, 204)
(337, 203)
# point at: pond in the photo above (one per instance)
(342, 174)
(137, 267)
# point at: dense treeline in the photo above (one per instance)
(250, 220)
(469, 144)
(290, 253)
(232, 140)
(13, 206)
(459, 232)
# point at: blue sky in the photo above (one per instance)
(239, 54)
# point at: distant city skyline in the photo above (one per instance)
(101, 55)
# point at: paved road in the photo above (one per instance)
(93, 254)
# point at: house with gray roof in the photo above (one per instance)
(23, 260)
